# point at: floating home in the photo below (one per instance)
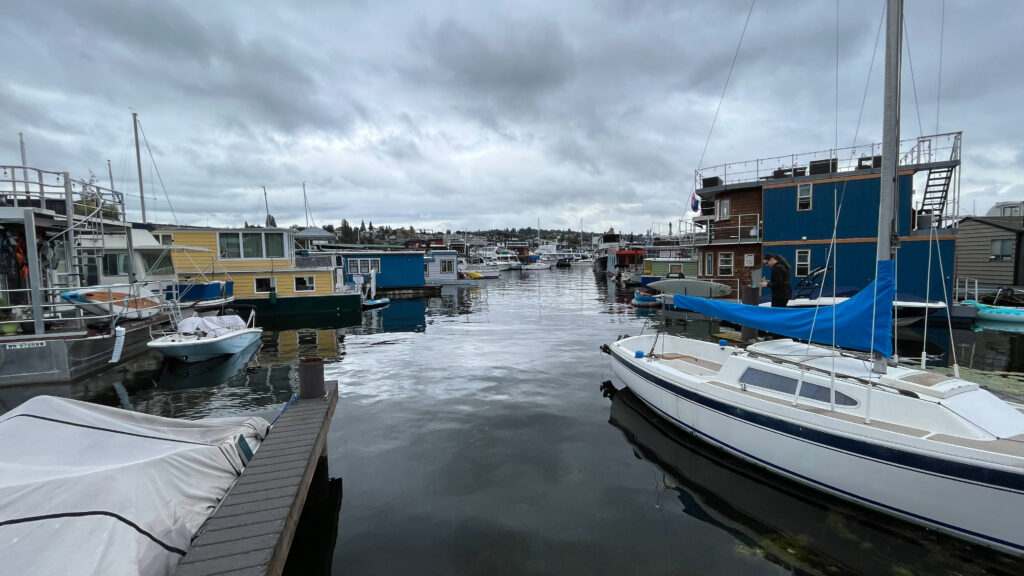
(788, 205)
(266, 270)
(988, 253)
(397, 273)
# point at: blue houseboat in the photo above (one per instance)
(396, 273)
(787, 205)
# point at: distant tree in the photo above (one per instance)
(371, 226)
(329, 227)
(347, 234)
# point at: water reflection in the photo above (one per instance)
(797, 528)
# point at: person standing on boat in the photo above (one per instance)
(782, 291)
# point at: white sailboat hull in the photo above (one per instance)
(943, 487)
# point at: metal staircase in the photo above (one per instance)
(936, 192)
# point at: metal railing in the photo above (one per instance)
(17, 309)
(922, 150)
(739, 229)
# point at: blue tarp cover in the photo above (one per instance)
(852, 318)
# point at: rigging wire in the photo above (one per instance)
(831, 255)
(942, 37)
(725, 87)
(913, 81)
(159, 177)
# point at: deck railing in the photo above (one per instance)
(740, 229)
(916, 151)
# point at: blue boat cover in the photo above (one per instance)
(852, 318)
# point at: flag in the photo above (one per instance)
(695, 202)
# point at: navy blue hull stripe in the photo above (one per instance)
(768, 422)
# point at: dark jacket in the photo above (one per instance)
(781, 288)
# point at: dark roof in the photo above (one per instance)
(1008, 223)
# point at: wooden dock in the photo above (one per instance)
(252, 530)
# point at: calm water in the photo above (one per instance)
(473, 437)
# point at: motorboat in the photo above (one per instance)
(120, 301)
(95, 489)
(199, 338)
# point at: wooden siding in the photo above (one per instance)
(193, 262)
(973, 248)
(245, 286)
(741, 202)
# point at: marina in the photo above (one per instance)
(304, 331)
(498, 448)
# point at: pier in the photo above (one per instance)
(252, 531)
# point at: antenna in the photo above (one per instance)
(271, 223)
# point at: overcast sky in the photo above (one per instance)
(471, 115)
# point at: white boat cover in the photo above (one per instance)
(89, 489)
(211, 325)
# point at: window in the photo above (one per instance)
(165, 239)
(803, 263)
(722, 209)
(803, 196)
(709, 264)
(229, 245)
(787, 385)
(1010, 210)
(725, 263)
(363, 265)
(158, 263)
(447, 266)
(115, 264)
(675, 270)
(274, 243)
(264, 284)
(426, 270)
(305, 284)
(1002, 250)
(251, 245)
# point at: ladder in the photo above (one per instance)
(936, 194)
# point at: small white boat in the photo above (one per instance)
(691, 287)
(997, 313)
(91, 489)
(200, 338)
(122, 301)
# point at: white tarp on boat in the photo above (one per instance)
(88, 489)
(211, 325)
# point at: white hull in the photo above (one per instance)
(941, 484)
(196, 349)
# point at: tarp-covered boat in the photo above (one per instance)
(89, 489)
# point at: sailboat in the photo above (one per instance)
(931, 448)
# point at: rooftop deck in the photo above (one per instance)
(921, 152)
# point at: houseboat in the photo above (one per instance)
(787, 205)
(267, 272)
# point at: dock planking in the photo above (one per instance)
(251, 532)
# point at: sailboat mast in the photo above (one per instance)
(138, 161)
(127, 228)
(890, 131)
(305, 203)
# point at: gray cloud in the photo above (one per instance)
(483, 114)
